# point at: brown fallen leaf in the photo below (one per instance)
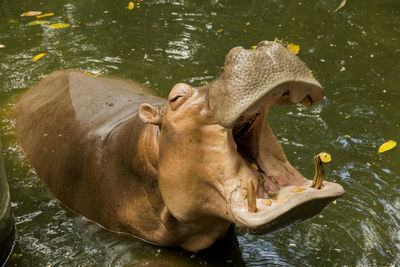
(31, 13)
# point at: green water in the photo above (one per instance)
(354, 53)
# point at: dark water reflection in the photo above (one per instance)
(355, 54)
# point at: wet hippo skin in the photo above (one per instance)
(179, 171)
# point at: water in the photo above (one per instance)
(354, 53)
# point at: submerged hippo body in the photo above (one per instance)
(174, 172)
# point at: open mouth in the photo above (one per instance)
(274, 194)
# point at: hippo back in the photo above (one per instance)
(64, 122)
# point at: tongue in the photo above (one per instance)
(249, 75)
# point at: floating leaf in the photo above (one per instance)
(325, 157)
(13, 21)
(31, 13)
(2, 46)
(220, 30)
(131, 5)
(59, 25)
(37, 57)
(37, 22)
(293, 48)
(45, 15)
(16, 256)
(387, 146)
(292, 244)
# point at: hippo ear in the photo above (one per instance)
(150, 114)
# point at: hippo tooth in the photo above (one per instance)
(251, 196)
(319, 173)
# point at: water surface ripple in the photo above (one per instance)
(354, 53)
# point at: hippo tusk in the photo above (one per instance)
(319, 173)
(251, 196)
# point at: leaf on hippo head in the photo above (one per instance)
(293, 48)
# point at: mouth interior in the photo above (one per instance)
(279, 187)
(261, 151)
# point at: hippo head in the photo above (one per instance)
(217, 154)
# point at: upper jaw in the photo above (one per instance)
(249, 75)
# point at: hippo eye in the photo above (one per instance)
(175, 98)
(177, 101)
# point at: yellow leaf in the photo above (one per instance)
(13, 21)
(59, 25)
(31, 13)
(2, 46)
(220, 30)
(131, 5)
(37, 57)
(254, 47)
(91, 74)
(387, 146)
(45, 15)
(298, 189)
(37, 22)
(325, 157)
(293, 48)
(268, 202)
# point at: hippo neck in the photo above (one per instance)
(137, 148)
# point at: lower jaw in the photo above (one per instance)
(292, 204)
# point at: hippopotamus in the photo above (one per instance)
(175, 172)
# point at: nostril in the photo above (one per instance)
(298, 93)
